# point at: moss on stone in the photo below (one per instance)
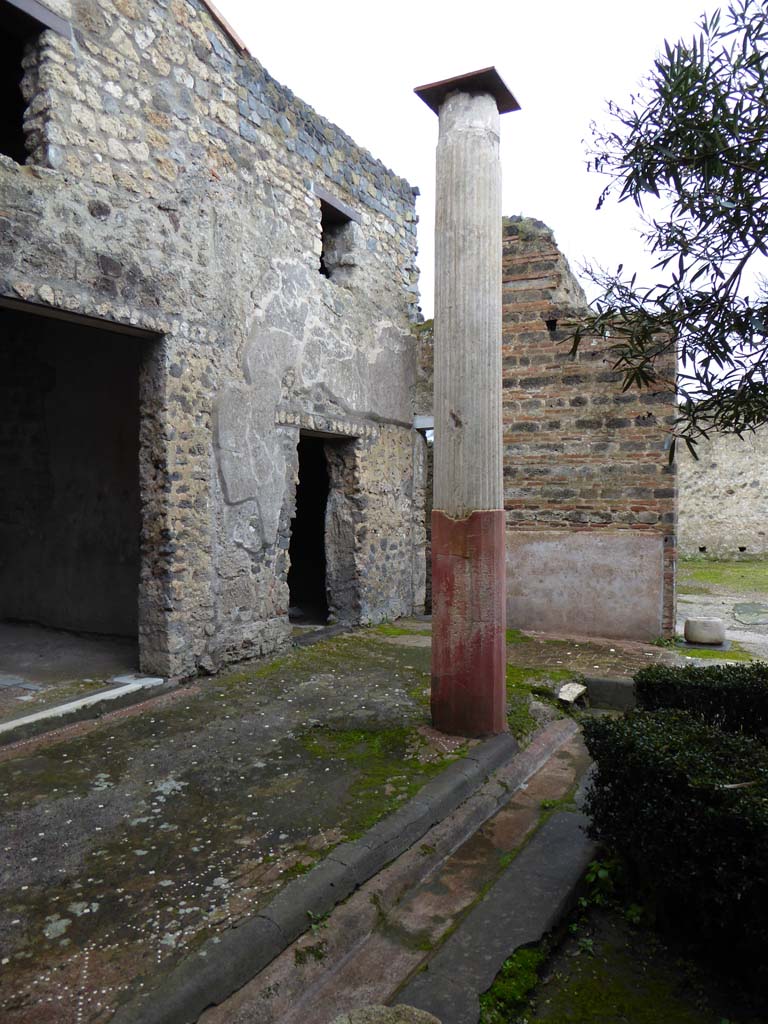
(516, 636)
(522, 684)
(192, 782)
(603, 980)
(522, 674)
(383, 767)
(519, 715)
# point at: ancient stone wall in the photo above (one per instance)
(174, 187)
(724, 496)
(589, 492)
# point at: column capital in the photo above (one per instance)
(487, 80)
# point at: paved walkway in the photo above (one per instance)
(131, 840)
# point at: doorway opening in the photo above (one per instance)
(70, 507)
(323, 579)
(307, 574)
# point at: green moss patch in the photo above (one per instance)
(734, 653)
(516, 636)
(611, 971)
(386, 629)
(508, 995)
(522, 684)
(537, 678)
(383, 768)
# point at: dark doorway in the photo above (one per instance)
(69, 456)
(306, 576)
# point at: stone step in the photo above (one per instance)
(404, 917)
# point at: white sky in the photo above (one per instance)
(357, 64)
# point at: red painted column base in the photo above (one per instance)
(468, 624)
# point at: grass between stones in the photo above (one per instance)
(748, 574)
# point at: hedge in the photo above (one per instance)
(732, 697)
(686, 805)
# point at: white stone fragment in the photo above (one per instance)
(569, 693)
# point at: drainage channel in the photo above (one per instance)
(502, 867)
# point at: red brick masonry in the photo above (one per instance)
(580, 455)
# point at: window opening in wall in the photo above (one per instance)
(17, 31)
(336, 220)
(307, 574)
(332, 223)
(21, 22)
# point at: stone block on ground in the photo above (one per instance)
(704, 631)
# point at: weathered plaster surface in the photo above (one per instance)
(723, 496)
(170, 186)
(586, 584)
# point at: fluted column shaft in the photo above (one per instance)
(468, 428)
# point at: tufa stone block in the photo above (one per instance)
(704, 631)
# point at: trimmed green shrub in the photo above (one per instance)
(732, 697)
(687, 806)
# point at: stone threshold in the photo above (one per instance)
(403, 849)
(131, 689)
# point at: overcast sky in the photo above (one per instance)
(357, 63)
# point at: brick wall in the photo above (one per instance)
(589, 493)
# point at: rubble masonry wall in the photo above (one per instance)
(171, 186)
(723, 498)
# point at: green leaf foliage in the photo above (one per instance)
(731, 697)
(691, 151)
(687, 806)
